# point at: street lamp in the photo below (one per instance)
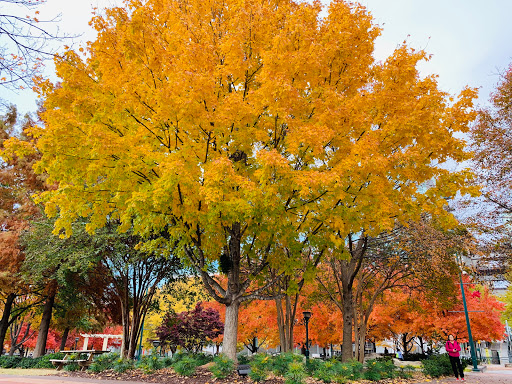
(470, 337)
(307, 316)
(156, 343)
(76, 342)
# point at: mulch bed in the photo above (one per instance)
(168, 376)
(202, 376)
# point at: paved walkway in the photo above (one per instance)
(492, 375)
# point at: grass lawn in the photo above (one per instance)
(26, 372)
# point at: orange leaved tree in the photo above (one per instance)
(225, 130)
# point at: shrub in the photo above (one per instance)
(44, 361)
(72, 367)
(244, 359)
(281, 362)
(167, 361)
(186, 366)
(202, 358)
(260, 367)
(122, 365)
(296, 373)
(10, 361)
(104, 362)
(352, 370)
(415, 357)
(326, 371)
(378, 370)
(466, 361)
(28, 363)
(223, 367)
(149, 363)
(405, 372)
(313, 365)
(437, 365)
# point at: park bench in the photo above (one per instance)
(79, 359)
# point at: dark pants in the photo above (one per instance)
(456, 366)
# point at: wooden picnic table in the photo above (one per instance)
(80, 359)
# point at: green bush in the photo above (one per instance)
(149, 363)
(296, 373)
(281, 362)
(44, 361)
(313, 365)
(377, 370)
(244, 359)
(437, 365)
(405, 372)
(223, 367)
(167, 362)
(352, 370)
(104, 362)
(325, 371)
(202, 358)
(10, 361)
(186, 366)
(466, 361)
(260, 366)
(28, 363)
(123, 365)
(72, 367)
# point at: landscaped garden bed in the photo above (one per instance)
(281, 369)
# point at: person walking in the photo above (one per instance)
(453, 349)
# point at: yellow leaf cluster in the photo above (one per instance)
(188, 116)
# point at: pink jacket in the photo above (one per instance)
(452, 348)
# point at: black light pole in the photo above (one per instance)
(307, 316)
(468, 324)
(76, 342)
(156, 343)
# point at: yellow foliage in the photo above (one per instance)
(203, 120)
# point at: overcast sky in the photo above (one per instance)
(469, 39)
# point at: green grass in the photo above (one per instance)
(27, 372)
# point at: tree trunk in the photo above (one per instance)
(421, 345)
(136, 330)
(281, 327)
(231, 330)
(64, 339)
(125, 316)
(348, 320)
(44, 327)
(4, 322)
(285, 321)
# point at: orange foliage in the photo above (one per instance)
(410, 313)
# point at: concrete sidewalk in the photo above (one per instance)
(493, 374)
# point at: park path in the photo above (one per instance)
(494, 374)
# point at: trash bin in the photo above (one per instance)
(495, 357)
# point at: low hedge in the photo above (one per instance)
(29, 362)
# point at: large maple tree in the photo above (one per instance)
(223, 128)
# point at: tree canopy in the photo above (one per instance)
(235, 129)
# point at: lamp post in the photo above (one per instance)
(156, 343)
(307, 316)
(76, 342)
(470, 337)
